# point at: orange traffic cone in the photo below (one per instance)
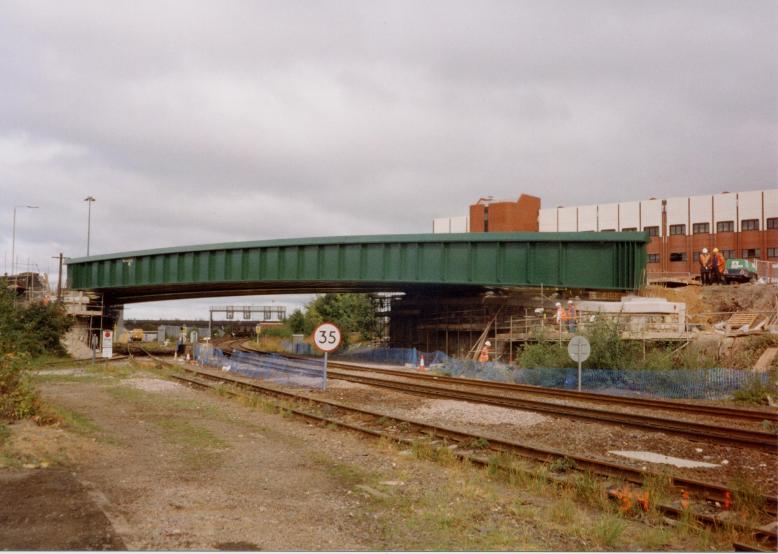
(421, 363)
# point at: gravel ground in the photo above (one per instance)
(457, 411)
(151, 384)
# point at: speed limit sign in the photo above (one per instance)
(326, 337)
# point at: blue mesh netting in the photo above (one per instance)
(268, 367)
(715, 383)
(394, 356)
(299, 348)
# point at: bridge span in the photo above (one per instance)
(389, 263)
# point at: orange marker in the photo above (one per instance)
(684, 499)
(727, 500)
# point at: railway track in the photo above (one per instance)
(758, 415)
(410, 432)
(649, 403)
(472, 390)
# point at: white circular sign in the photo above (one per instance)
(579, 348)
(326, 337)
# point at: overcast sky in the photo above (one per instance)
(197, 122)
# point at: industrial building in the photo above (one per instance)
(740, 224)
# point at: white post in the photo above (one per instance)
(579, 369)
(324, 381)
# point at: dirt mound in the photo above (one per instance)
(713, 301)
(740, 298)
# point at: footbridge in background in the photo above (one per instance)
(379, 263)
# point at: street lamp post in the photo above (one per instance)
(89, 199)
(13, 240)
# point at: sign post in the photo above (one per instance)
(579, 350)
(327, 338)
(107, 343)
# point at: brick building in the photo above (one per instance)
(740, 224)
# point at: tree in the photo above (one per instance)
(352, 313)
(296, 321)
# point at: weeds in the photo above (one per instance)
(562, 465)
(591, 490)
(655, 539)
(476, 443)
(74, 421)
(754, 392)
(564, 511)
(747, 497)
(608, 530)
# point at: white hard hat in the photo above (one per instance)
(487, 343)
(558, 304)
(704, 250)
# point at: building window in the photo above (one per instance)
(677, 256)
(701, 228)
(695, 256)
(653, 258)
(751, 253)
(772, 252)
(749, 225)
(728, 254)
(652, 231)
(725, 226)
(772, 222)
(633, 229)
(607, 230)
(677, 230)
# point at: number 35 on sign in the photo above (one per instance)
(326, 337)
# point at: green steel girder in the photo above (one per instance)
(606, 261)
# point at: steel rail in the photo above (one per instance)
(718, 411)
(698, 431)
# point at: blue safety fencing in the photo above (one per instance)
(711, 384)
(297, 348)
(267, 367)
(391, 356)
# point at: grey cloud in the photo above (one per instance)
(197, 122)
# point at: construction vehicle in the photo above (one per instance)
(738, 270)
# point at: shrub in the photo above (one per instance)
(756, 392)
(34, 329)
(544, 355)
(18, 399)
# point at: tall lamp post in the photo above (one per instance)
(13, 240)
(89, 199)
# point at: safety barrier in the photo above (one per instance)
(267, 367)
(391, 356)
(297, 348)
(711, 384)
